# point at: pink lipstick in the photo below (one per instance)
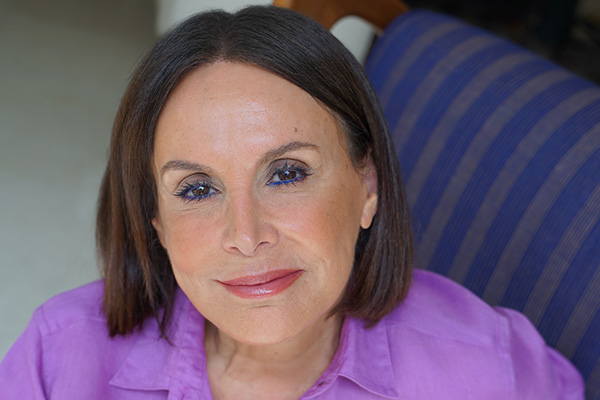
(262, 285)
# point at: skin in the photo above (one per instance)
(233, 128)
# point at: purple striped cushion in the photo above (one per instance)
(500, 151)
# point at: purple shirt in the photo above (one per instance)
(441, 343)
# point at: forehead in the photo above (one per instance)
(233, 107)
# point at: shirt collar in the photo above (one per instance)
(364, 357)
(156, 364)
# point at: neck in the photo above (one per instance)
(288, 367)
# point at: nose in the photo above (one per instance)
(247, 231)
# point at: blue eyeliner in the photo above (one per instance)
(188, 187)
(287, 174)
(300, 175)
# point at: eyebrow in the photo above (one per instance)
(278, 152)
(183, 165)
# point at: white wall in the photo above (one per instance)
(353, 32)
(64, 65)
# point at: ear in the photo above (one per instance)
(370, 207)
(158, 227)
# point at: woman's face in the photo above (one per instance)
(259, 205)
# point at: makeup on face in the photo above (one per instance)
(262, 285)
(259, 204)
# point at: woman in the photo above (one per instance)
(255, 244)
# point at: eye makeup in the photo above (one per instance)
(196, 189)
(199, 187)
(288, 172)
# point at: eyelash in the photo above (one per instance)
(301, 171)
(187, 188)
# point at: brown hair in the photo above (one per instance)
(138, 278)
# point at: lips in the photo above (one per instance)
(262, 285)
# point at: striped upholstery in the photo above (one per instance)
(500, 151)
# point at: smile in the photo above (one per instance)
(262, 285)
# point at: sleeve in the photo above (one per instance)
(21, 369)
(539, 372)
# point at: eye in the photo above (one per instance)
(196, 190)
(289, 174)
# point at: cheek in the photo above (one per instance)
(326, 225)
(186, 238)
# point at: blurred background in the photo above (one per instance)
(63, 68)
(565, 31)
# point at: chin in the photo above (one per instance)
(265, 326)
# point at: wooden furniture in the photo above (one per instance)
(378, 12)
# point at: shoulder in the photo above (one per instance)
(66, 351)
(82, 305)
(437, 306)
(73, 323)
(444, 331)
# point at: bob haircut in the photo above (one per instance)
(139, 281)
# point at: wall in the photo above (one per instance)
(64, 65)
(353, 32)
